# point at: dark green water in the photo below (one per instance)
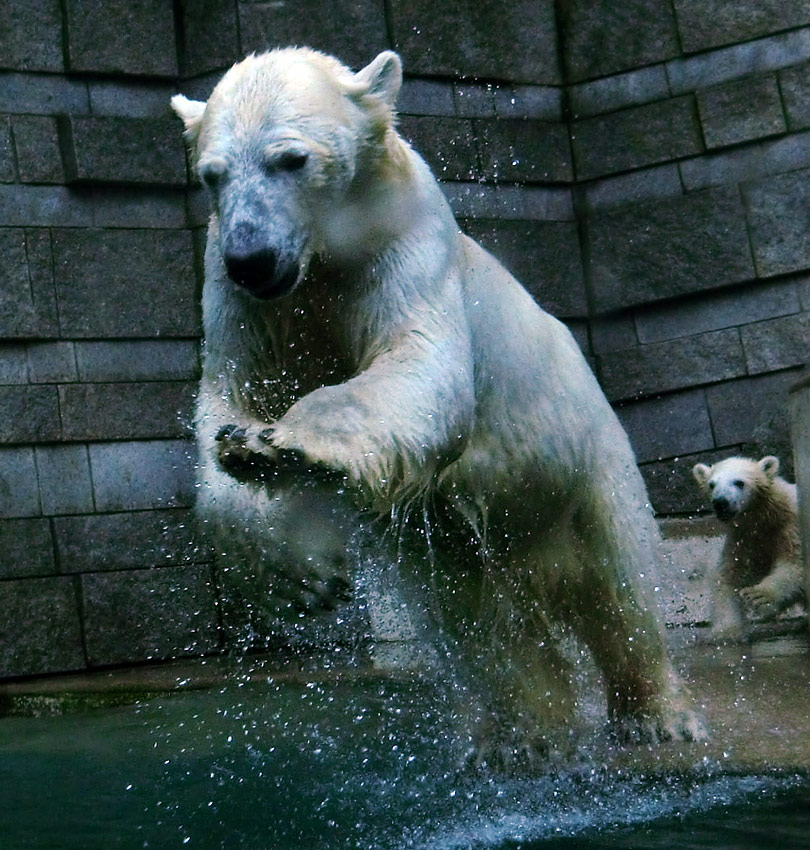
(363, 765)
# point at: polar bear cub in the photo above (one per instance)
(760, 572)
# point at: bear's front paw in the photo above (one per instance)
(671, 724)
(759, 603)
(245, 454)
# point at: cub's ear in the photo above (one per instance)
(190, 113)
(770, 466)
(701, 472)
(382, 77)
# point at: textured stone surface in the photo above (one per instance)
(138, 360)
(353, 30)
(121, 37)
(31, 36)
(24, 205)
(710, 23)
(51, 362)
(130, 99)
(37, 143)
(131, 476)
(125, 283)
(672, 487)
(29, 414)
(602, 37)
(39, 629)
(649, 184)
(137, 206)
(530, 203)
(64, 479)
(777, 215)
(123, 150)
(515, 41)
(523, 151)
(672, 365)
(665, 248)
(26, 548)
(794, 84)
(544, 256)
(676, 424)
(426, 97)
(27, 296)
(124, 541)
(777, 344)
(753, 303)
(448, 145)
(37, 94)
(636, 137)
(19, 493)
(618, 91)
(210, 35)
(140, 615)
(740, 111)
(8, 173)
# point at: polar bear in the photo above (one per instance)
(760, 567)
(352, 331)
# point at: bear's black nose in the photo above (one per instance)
(723, 507)
(255, 270)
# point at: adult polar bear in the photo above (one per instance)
(349, 324)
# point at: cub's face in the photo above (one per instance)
(734, 484)
(277, 147)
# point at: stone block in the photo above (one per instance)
(661, 249)
(515, 41)
(131, 99)
(31, 36)
(27, 297)
(731, 63)
(40, 631)
(649, 184)
(51, 362)
(122, 150)
(777, 343)
(37, 143)
(543, 256)
(518, 150)
(618, 91)
(526, 203)
(125, 283)
(19, 492)
(671, 486)
(602, 37)
(138, 360)
(615, 332)
(131, 476)
(121, 37)
(777, 211)
(64, 479)
(448, 145)
(739, 408)
(148, 615)
(794, 83)
(704, 24)
(126, 411)
(426, 97)
(39, 94)
(740, 111)
(26, 548)
(635, 137)
(13, 363)
(354, 30)
(29, 414)
(138, 206)
(123, 541)
(8, 173)
(676, 364)
(209, 35)
(753, 303)
(544, 103)
(747, 163)
(24, 205)
(665, 427)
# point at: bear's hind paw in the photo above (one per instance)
(244, 454)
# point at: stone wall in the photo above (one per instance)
(640, 166)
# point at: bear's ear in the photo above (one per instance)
(770, 466)
(382, 77)
(190, 113)
(701, 472)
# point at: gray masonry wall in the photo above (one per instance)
(641, 166)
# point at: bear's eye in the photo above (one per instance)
(739, 484)
(291, 160)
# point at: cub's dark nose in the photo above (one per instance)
(722, 507)
(253, 269)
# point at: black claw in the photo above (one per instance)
(225, 432)
(266, 435)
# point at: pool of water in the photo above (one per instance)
(361, 764)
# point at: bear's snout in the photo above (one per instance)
(723, 507)
(259, 270)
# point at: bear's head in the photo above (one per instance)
(737, 483)
(282, 144)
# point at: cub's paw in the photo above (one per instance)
(675, 724)
(759, 603)
(244, 453)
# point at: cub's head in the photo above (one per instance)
(736, 483)
(279, 145)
